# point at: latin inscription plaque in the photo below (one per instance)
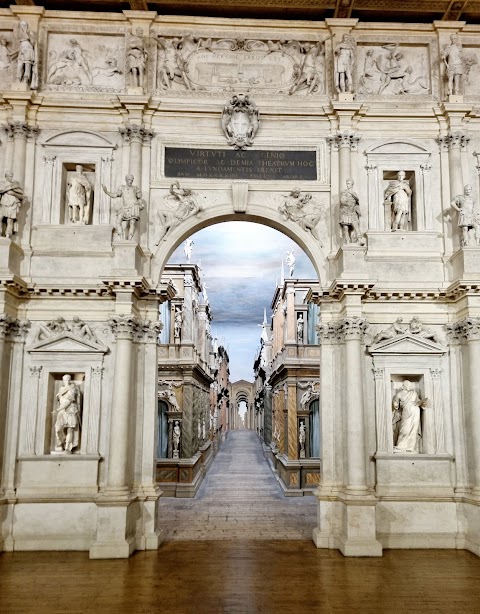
(199, 163)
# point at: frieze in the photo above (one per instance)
(210, 64)
(7, 65)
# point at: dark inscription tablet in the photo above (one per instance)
(231, 164)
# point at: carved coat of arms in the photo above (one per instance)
(240, 121)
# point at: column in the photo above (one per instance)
(374, 222)
(346, 142)
(439, 441)
(96, 375)
(383, 414)
(291, 324)
(48, 178)
(292, 421)
(187, 326)
(425, 221)
(123, 327)
(353, 329)
(471, 331)
(21, 131)
(455, 142)
(5, 324)
(102, 215)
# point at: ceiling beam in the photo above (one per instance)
(344, 8)
(138, 5)
(25, 2)
(455, 9)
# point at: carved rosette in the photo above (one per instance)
(124, 327)
(353, 328)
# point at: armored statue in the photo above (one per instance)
(128, 213)
(452, 55)
(79, 196)
(467, 220)
(345, 59)
(11, 199)
(350, 215)
(398, 195)
(27, 60)
(67, 417)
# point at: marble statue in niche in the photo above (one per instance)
(176, 434)
(350, 215)
(67, 416)
(240, 121)
(137, 56)
(387, 70)
(27, 56)
(5, 63)
(300, 329)
(398, 194)
(11, 199)
(406, 419)
(79, 197)
(452, 55)
(301, 438)
(468, 220)
(177, 324)
(128, 213)
(180, 204)
(204, 432)
(310, 75)
(303, 210)
(290, 261)
(344, 63)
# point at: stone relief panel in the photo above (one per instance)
(230, 64)
(84, 62)
(471, 70)
(7, 65)
(396, 69)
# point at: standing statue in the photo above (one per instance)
(204, 433)
(452, 55)
(465, 205)
(176, 434)
(301, 439)
(27, 60)
(79, 196)
(129, 212)
(398, 195)
(350, 215)
(300, 329)
(406, 418)
(136, 58)
(177, 324)
(11, 198)
(188, 249)
(290, 260)
(67, 416)
(345, 53)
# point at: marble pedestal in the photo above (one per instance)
(11, 256)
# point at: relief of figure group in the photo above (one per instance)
(118, 61)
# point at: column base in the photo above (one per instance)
(11, 256)
(347, 524)
(115, 537)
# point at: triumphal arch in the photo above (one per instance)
(124, 133)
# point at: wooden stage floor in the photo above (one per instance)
(271, 577)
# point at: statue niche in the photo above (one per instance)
(79, 182)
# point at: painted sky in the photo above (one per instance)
(241, 264)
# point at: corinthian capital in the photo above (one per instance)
(345, 138)
(353, 327)
(470, 328)
(136, 132)
(148, 331)
(328, 333)
(124, 326)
